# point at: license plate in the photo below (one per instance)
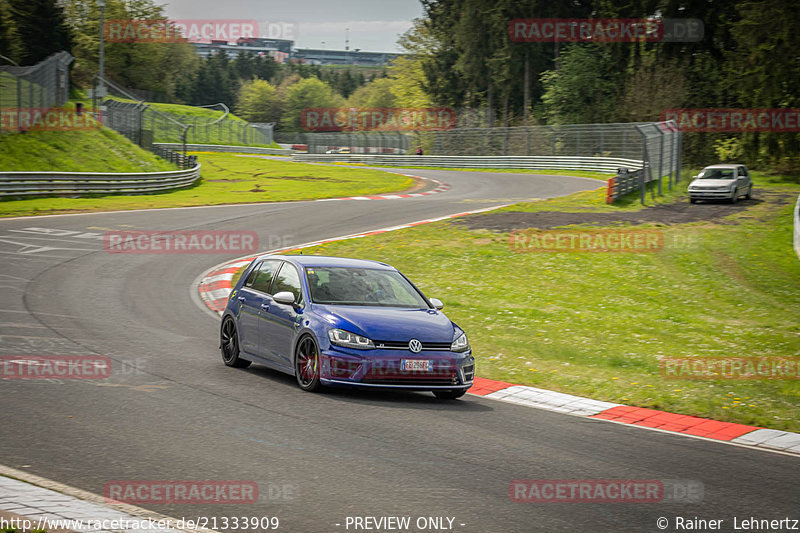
(416, 365)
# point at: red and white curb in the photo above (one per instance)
(769, 439)
(440, 187)
(215, 285)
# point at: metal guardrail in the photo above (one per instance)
(179, 159)
(596, 164)
(227, 148)
(626, 182)
(82, 183)
(797, 227)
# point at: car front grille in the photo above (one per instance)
(426, 346)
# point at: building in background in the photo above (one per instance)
(283, 50)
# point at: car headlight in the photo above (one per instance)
(461, 344)
(344, 338)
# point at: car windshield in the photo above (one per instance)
(362, 286)
(716, 174)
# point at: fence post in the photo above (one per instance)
(660, 159)
(679, 153)
(643, 178)
(671, 154)
(19, 103)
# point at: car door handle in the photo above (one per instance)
(265, 306)
(241, 298)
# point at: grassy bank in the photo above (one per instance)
(75, 151)
(597, 324)
(230, 179)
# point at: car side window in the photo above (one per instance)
(288, 280)
(743, 172)
(260, 278)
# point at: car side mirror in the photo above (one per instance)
(695, 177)
(437, 303)
(284, 297)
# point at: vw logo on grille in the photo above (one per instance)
(415, 346)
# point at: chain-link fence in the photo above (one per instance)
(656, 144)
(160, 126)
(38, 87)
(202, 130)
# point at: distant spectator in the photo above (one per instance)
(419, 150)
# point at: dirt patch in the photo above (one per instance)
(681, 212)
(300, 178)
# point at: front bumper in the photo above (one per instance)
(383, 369)
(701, 194)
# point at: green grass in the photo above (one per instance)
(596, 325)
(75, 151)
(229, 179)
(548, 172)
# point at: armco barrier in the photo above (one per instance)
(79, 183)
(622, 184)
(596, 164)
(227, 148)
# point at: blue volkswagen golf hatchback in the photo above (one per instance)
(331, 321)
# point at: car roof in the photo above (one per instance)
(734, 165)
(327, 261)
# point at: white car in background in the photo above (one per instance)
(721, 182)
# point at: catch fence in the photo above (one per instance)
(38, 87)
(144, 123)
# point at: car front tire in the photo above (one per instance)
(229, 345)
(735, 196)
(749, 193)
(452, 394)
(307, 364)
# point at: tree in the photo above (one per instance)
(257, 102)
(408, 75)
(216, 81)
(765, 72)
(307, 93)
(41, 27)
(167, 69)
(10, 42)
(376, 94)
(578, 91)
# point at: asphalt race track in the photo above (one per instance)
(175, 412)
